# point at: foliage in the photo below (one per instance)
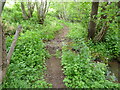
(109, 47)
(27, 63)
(28, 60)
(72, 11)
(81, 73)
(78, 67)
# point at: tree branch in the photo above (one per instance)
(13, 44)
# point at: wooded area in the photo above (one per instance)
(59, 44)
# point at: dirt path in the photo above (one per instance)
(55, 74)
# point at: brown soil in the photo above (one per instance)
(54, 73)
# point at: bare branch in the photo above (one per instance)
(13, 44)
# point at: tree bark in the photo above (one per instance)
(25, 16)
(42, 9)
(4, 55)
(2, 4)
(30, 9)
(6, 59)
(100, 36)
(13, 44)
(1, 58)
(2, 43)
(92, 23)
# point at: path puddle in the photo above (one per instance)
(114, 69)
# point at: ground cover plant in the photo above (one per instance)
(61, 44)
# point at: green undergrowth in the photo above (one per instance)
(80, 72)
(27, 66)
(26, 69)
(51, 24)
(28, 61)
(77, 61)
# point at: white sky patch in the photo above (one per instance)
(9, 4)
(63, 0)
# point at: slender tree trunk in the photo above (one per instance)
(1, 58)
(100, 36)
(3, 61)
(13, 44)
(4, 58)
(2, 44)
(42, 9)
(30, 9)
(2, 4)
(92, 23)
(25, 16)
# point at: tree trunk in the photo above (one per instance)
(2, 44)
(13, 44)
(119, 12)
(100, 36)
(92, 23)
(3, 61)
(2, 4)
(4, 55)
(25, 16)
(5, 58)
(1, 56)
(42, 9)
(30, 9)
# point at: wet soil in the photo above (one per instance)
(114, 67)
(54, 73)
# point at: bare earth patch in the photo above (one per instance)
(54, 74)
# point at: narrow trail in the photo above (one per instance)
(54, 73)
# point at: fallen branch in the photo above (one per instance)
(13, 44)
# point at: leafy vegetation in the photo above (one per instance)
(28, 60)
(27, 67)
(78, 65)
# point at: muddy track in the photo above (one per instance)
(54, 74)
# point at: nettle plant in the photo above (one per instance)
(81, 72)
